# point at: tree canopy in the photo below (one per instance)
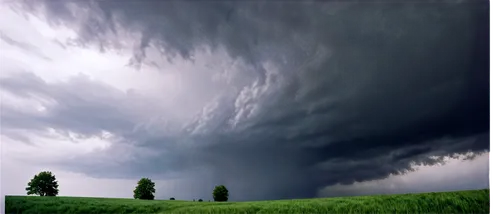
(220, 193)
(43, 184)
(145, 189)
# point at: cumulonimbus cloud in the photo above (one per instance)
(334, 92)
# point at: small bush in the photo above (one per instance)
(172, 199)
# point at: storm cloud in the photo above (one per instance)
(310, 94)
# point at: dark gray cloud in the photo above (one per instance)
(339, 91)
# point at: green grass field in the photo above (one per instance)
(474, 201)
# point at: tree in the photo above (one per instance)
(43, 184)
(172, 199)
(220, 193)
(200, 200)
(145, 189)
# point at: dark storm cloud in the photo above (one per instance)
(259, 31)
(344, 91)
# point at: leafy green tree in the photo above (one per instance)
(172, 199)
(200, 200)
(220, 193)
(43, 184)
(145, 189)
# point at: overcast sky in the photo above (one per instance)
(275, 100)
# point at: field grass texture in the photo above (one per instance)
(473, 201)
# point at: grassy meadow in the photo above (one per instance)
(473, 201)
